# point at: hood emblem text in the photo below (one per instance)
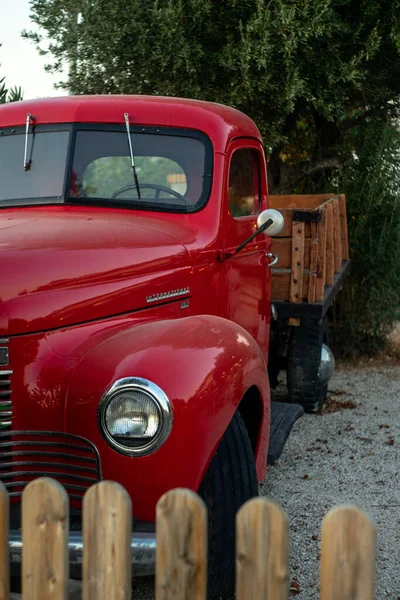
(166, 295)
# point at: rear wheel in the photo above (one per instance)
(230, 481)
(304, 384)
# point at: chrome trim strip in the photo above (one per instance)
(143, 549)
(4, 341)
(157, 395)
(169, 294)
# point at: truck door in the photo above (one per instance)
(246, 276)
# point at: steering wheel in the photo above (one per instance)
(152, 186)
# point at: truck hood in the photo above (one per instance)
(65, 265)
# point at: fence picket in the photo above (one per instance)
(181, 562)
(347, 555)
(107, 531)
(347, 559)
(45, 540)
(4, 552)
(261, 551)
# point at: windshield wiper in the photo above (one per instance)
(27, 163)
(132, 157)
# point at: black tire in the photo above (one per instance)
(230, 480)
(304, 358)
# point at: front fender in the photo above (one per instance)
(204, 364)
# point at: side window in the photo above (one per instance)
(244, 183)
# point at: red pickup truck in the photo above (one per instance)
(135, 309)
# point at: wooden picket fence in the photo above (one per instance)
(347, 552)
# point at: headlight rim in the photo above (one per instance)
(156, 394)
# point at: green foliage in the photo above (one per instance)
(290, 64)
(369, 304)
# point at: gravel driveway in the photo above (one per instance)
(348, 454)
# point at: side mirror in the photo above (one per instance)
(271, 215)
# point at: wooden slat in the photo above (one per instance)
(347, 555)
(330, 264)
(343, 217)
(307, 201)
(286, 232)
(107, 531)
(337, 241)
(280, 285)
(322, 258)
(313, 264)
(296, 284)
(282, 247)
(4, 550)
(45, 541)
(261, 552)
(181, 562)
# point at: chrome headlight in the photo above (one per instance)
(135, 416)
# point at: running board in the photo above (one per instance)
(283, 417)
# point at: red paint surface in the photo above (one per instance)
(74, 282)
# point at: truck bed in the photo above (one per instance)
(313, 254)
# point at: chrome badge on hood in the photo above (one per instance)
(169, 294)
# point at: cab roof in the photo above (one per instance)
(221, 123)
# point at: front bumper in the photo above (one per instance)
(143, 549)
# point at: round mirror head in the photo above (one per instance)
(278, 221)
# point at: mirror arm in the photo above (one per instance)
(222, 256)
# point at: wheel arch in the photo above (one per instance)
(251, 411)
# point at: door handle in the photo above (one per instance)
(274, 259)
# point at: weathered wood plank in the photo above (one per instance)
(330, 265)
(347, 555)
(313, 263)
(337, 237)
(261, 552)
(107, 531)
(296, 283)
(280, 285)
(181, 562)
(286, 232)
(282, 247)
(345, 235)
(45, 541)
(322, 258)
(294, 201)
(4, 550)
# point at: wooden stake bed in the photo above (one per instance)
(313, 254)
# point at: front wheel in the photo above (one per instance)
(230, 481)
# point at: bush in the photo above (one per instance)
(368, 306)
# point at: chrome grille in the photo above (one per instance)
(5, 399)
(70, 459)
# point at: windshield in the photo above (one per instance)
(47, 151)
(172, 169)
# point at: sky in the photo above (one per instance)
(20, 62)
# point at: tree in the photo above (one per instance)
(321, 78)
(9, 95)
(305, 70)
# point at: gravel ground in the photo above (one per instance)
(349, 454)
